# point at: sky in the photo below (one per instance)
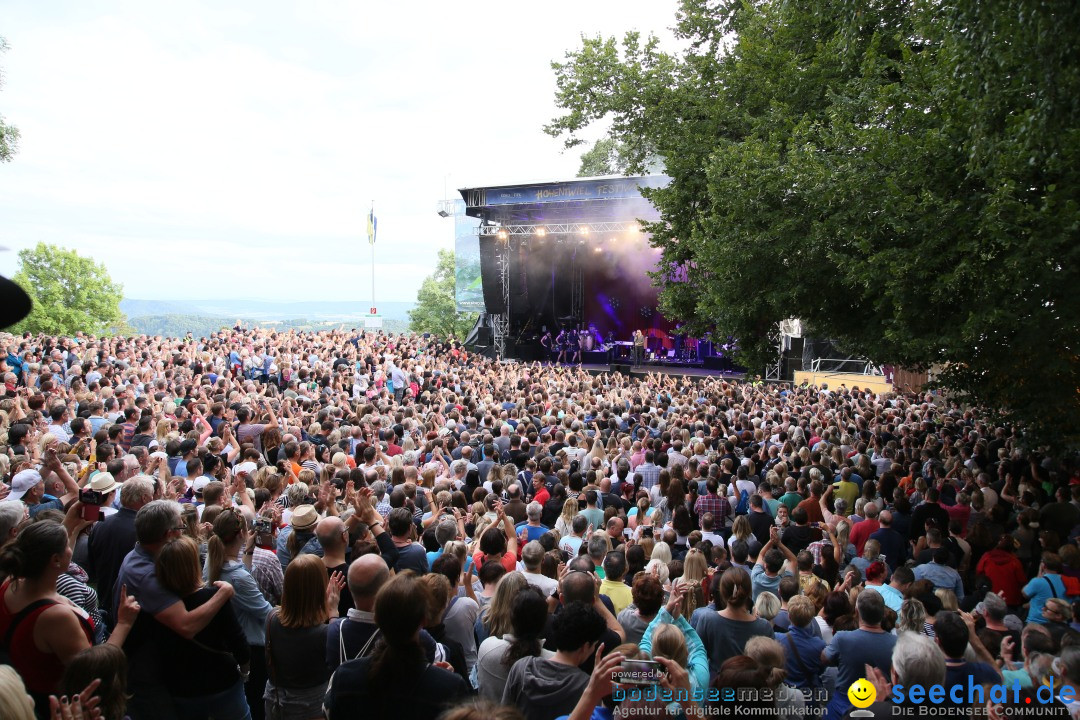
(232, 150)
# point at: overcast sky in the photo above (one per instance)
(232, 150)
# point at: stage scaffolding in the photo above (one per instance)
(556, 229)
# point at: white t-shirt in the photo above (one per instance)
(547, 585)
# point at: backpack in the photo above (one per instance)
(743, 506)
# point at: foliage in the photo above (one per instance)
(9, 134)
(903, 176)
(602, 159)
(70, 293)
(436, 308)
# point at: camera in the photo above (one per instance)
(263, 526)
(91, 504)
(89, 496)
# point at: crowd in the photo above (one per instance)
(358, 525)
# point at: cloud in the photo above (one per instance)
(194, 142)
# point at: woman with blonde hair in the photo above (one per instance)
(164, 432)
(15, 703)
(658, 562)
(671, 636)
(740, 530)
(637, 516)
(569, 512)
(695, 572)
(296, 640)
(495, 618)
(767, 606)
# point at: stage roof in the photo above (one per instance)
(583, 200)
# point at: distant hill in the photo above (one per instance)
(204, 317)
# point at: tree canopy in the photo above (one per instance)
(601, 159)
(902, 176)
(436, 308)
(70, 293)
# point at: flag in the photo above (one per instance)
(372, 224)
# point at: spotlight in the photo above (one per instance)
(541, 232)
(584, 230)
(502, 234)
(596, 249)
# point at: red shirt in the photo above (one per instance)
(860, 533)
(543, 496)
(40, 671)
(508, 560)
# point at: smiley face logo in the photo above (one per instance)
(861, 693)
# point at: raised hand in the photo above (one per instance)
(129, 608)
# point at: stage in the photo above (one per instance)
(669, 370)
(572, 257)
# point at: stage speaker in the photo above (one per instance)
(620, 368)
(792, 358)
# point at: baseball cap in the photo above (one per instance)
(200, 483)
(22, 483)
(246, 467)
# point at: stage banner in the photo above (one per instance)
(468, 288)
(611, 189)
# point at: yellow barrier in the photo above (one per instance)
(873, 383)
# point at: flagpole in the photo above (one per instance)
(372, 243)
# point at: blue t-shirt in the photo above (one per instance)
(48, 502)
(956, 675)
(854, 649)
(1038, 590)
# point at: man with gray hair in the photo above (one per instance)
(12, 513)
(111, 540)
(532, 555)
(533, 529)
(598, 549)
(861, 531)
(156, 523)
(916, 660)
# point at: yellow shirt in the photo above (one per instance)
(618, 592)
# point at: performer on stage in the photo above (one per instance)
(639, 348)
(563, 343)
(548, 343)
(573, 342)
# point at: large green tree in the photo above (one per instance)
(9, 134)
(71, 293)
(436, 307)
(903, 176)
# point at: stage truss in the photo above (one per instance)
(557, 229)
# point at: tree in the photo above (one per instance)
(902, 176)
(436, 307)
(70, 293)
(602, 159)
(9, 134)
